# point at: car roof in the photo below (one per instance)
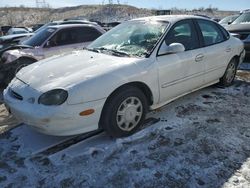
(17, 29)
(170, 18)
(245, 11)
(71, 25)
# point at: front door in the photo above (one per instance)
(181, 72)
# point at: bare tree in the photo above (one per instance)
(10, 17)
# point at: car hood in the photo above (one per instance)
(7, 37)
(67, 70)
(238, 27)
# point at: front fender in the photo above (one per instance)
(102, 86)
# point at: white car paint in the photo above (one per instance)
(91, 77)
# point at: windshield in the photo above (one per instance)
(39, 38)
(228, 19)
(243, 19)
(45, 26)
(132, 38)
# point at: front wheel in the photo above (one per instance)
(229, 74)
(124, 112)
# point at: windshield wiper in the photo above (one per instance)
(92, 49)
(113, 51)
(117, 52)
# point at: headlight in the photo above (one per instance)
(53, 97)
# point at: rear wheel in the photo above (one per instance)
(124, 112)
(229, 74)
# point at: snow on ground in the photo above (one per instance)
(200, 140)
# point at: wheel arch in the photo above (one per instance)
(140, 85)
(27, 58)
(237, 57)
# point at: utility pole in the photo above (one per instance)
(41, 4)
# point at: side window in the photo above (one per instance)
(183, 32)
(74, 35)
(210, 32)
(63, 37)
(224, 31)
(87, 34)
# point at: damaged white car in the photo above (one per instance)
(137, 66)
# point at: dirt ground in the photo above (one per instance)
(7, 121)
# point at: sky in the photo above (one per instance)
(156, 4)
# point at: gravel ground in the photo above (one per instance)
(201, 140)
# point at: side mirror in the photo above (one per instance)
(171, 49)
(229, 22)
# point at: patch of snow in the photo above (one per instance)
(245, 66)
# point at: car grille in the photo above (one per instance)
(15, 95)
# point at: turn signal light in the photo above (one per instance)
(87, 112)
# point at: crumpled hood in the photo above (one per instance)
(15, 52)
(8, 37)
(64, 71)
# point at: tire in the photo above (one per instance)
(16, 66)
(228, 78)
(124, 112)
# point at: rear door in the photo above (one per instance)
(182, 72)
(217, 50)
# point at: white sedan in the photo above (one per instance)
(139, 65)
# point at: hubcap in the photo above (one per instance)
(230, 72)
(129, 113)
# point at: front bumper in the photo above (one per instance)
(60, 120)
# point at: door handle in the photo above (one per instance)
(228, 49)
(199, 57)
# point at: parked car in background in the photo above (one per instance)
(10, 40)
(53, 40)
(13, 37)
(36, 27)
(5, 29)
(64, 22)
(228, 20)
(14, 41)
(241, 28)
(110, 25)
(16, 30)
(137, 66)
